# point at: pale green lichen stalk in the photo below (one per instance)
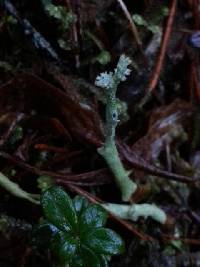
(109, 82)
(16, 190)
(135, 211)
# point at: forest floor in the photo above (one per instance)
(52, 119)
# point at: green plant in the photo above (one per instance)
(44, 182)
(66, 19)
(104, 56)
(139, 20)
(153, 25)
(75, 230)
(16, 135)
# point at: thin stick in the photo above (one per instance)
(74, 34)
(92, 176)
(131, 23)
(139, 163)
(195, 88)
(184, 240)
(163, 48)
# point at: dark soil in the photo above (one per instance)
(52, 119)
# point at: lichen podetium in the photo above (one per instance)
(109, 82)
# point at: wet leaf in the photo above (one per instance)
(59, 209)
(104, 241)
(65, 246)
(93, 217)
(80, 204)
(75, 230)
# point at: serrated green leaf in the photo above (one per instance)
(55, 11)
(59, 209)
(65, 245)
(80, 203)
(104, 241)
(93, 217)
(86, 258)
(75, 230)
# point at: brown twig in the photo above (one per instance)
(194, 6)
(139, 163)
(194, 73)
(164, 45)
(74, 34)
(131, 23)
(88, 178)
(47, 147)
(184, 240)
(194, 79)
(165, 41)
(4, 138)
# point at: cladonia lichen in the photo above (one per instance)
(109, 81)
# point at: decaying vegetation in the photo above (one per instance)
(54, 122)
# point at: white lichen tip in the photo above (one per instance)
(122, 70)
(110, 80)
(105, 80)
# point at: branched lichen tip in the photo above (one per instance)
(105, 80)
(122, 70)
(109, 80)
